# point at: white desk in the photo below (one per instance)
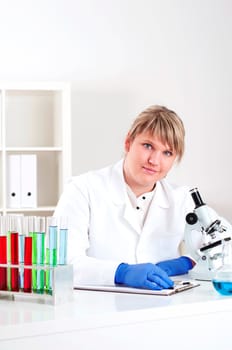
(199, 317)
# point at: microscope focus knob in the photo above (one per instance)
(191, 218)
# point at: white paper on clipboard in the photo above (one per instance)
(179, 286)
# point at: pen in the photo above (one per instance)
(180, 283)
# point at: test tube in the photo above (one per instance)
(32, 233)
(3, 253)
(14, 252)
(21, 236)
(28, 229)
(51, 250)
(8, 227)
(38, 245)
(63, 237)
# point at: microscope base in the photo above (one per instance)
(201, 273)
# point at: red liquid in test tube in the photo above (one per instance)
(27, 261)
(3, 260)
(14, 249)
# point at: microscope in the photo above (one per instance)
(205, 235)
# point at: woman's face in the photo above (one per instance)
(147, 160)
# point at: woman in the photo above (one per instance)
(126, 222)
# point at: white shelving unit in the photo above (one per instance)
(35, 118)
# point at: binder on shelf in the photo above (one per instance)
(22, 181)
(28, 181)
(13, 177)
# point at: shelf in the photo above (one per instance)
(33, 149)
(37, 209)
(35, 118)
(39, 113)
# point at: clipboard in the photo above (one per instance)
(179, 286)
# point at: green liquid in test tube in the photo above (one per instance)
(40, 261)
(51, 251)
(38, 254)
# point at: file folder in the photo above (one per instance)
(22, 181)
(14, 181)
(28, 181)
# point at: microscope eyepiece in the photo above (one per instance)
(196, 198)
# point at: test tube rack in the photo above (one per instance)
(61, 282)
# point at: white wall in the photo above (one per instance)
(124, 55)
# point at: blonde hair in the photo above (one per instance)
(161, 122)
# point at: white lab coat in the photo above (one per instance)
(104, 230)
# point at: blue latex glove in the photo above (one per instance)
(178, 266)
(145, 275)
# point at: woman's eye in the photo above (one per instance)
(168, 153)
(147, 145)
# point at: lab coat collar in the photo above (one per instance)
(120, 197)
(161, 197)
(117, 183)
(119, 192)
